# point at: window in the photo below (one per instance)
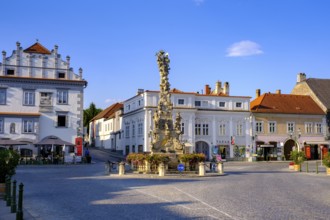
(238, 104)
(318, 128)
(62, 120)
(259, 127)
(2, 96)
(239, 129)
(290, 127)
(45, 99)
(181, 101)
(222, 104)
(140, 129)
(127, 131)
(205, 103)
(205, 129)
(222, 129)
(12, 128)
(62, 97)
(28, 97)
(61, 75)
(197, 129)
(10, 72)
(182, 128)
(308, 128)
(133, 130)
(197, 103)
(27, 126)
(272, 127)
(1, 125)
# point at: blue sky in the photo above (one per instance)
(249, 43)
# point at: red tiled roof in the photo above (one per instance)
(109, 112)
(285, 104)
(20, 114)
(37, 48)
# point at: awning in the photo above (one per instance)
(317, 142)
(53, 140)
(266, 145)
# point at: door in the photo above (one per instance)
(203, 147)
(288, 146)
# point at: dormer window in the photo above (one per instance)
(10, 72)
(61, 75)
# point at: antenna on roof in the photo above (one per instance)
(37, 40)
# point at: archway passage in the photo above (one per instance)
(288, 146)
(203, 147)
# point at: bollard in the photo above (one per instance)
(19, 213)
(107, 168)
(317, 168)
(13, 199)
(202, 169)
(220, 168)
(9, 193)
(6, 189)
(161, 169)
(306, 166)
(121, 168)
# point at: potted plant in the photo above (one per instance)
(326, 162)
(8, 162)
(298, 157)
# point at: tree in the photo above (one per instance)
(89, 114)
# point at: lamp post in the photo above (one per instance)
(321, 147)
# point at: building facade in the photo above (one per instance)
(283, 122)
(106, 128)
(212, 123)
(40, 95)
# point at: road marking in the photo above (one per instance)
(212, 207)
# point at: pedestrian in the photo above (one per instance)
(86, 152)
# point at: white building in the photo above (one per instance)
(213, 122)
(105, 128)
(40, 95)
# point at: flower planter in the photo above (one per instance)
(296, 167)
(291, 167)
(328, 171)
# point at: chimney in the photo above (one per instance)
(207, 90)
(278, 91)
(301, 77)
(139, 91)
(217, 89)
(226, 88)
(257, 93)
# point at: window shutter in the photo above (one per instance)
(67, 121)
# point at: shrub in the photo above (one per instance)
(326, 160)
(8, 162)
(298, 157)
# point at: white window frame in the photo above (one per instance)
(29, 97)
(62, 97)
(220, 104)
(259, 127)
(318, 128)
(198, 129)
(133, 130)
(222, 129)
(27, 126)
(239, 129)
(198, 105)
(127, 131)
(67, 121)
(272, 127)
(180, 100)
(290, 127)
(205, 129)
(182, 128)
(240, 105)
(309, 127)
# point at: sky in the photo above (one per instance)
(252, 44)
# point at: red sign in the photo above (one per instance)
(79, 144)
(308, 152)
(324, 150)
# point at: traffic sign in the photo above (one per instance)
(180, 167)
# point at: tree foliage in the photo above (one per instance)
(90, 113)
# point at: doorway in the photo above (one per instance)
(203, 147)
(288, 146)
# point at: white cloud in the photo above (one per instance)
(244, 48)
(198, 2)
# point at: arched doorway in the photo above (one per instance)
(288, 146)
(203, 147)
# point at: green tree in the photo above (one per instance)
(89, 114)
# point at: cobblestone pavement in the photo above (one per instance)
(249, 191)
